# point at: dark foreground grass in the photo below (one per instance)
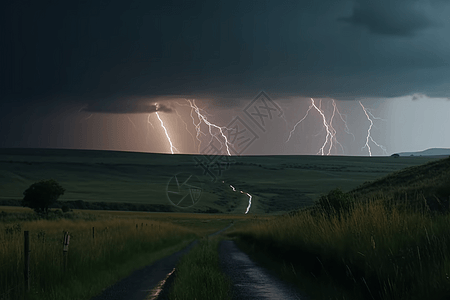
(118, 247)
(198, 275)
(373, 252)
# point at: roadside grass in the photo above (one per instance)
(118, 247)
(374, 251)
(198, 274)
(384, 240)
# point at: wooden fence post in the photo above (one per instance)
(65, 248)
(27, 260)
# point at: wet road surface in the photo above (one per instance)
(251, 281)
(141, 283)
(144, 283)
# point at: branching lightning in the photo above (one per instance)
(330, 138)
(329, 129)
(134, 125)
(167, 135)
(201, 117)
(369, 136)
(149, 122)
(344, 121)
(185, 124)
(290, 134)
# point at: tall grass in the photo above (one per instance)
(198, 275)
(92, 262)
(375, 251)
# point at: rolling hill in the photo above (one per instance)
(277, 183)
(428, 152)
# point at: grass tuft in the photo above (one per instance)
(198, 275)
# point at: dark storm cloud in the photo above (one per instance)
(396, 18)
(221, 51)
(126, 107)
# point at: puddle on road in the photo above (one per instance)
(251, 281)
(154, 293)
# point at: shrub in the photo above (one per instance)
(40, 195)
(336, 201)
(65, 208)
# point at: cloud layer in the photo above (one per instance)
(125, 107)
(224, 50)
(395, 18)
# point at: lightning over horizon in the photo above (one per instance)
(167, 135)
(331, 132)
(325, 124)
(201, 117)
(369, 136)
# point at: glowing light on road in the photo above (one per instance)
(249, 202)
(249, 198)
(167, 135)
(154, 293)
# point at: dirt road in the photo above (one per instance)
(142, 284)
(251, 281)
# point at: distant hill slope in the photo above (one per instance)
(430, 182)
(428, 152)
(111, 179)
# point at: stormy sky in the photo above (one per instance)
(110, 74)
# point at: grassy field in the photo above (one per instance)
(278, 183)
(122, 242)
(198, 275)
(381, 247)
(390, 242)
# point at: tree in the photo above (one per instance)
(335, 202)
(40, 195)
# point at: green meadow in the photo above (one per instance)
(338, 227)
(277, 183)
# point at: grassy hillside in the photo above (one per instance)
(415, 186)
(381, 247)
(277, 183)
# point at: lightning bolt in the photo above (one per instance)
(149, 122)
(167, 135)
(330, 138)
(201, 117)
(344, 121)
(134, 125)
(327, 128)
(366, 145)
(196, 126)
(292, 131)
(186, 126)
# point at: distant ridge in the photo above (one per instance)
(428, 152)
